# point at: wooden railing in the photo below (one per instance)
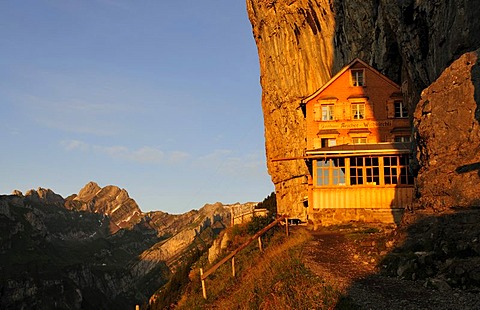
(258, 235)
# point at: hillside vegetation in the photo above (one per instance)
(273, 279)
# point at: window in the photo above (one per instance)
(326, 142)
(401, 110)
(358, 78)
(372, 170)
(358, 110)
(395, 170)
(390, 169)
(359, 140)
(356, 171)
(327, 112)
(364, 170)
(403, 139)
(405, 175)
(331, 172)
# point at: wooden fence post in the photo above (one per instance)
(286, 225)
(204, 289)
(212, 269)
(260, 244)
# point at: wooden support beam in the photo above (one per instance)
(204, 289)
(286, 226)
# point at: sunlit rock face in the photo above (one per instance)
(448, 138)
(301, 44)
(294, 41)
(109, 200)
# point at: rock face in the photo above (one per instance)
(42, 195)
(110, 200)
(448, 138)
(302, 43)
(295, 50)
(188, 227)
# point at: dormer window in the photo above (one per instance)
(358, 77)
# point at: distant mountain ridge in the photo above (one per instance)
(97, 248)
(109, 200)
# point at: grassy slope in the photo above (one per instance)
(274, 279)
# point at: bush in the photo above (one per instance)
(258, 223)
(269, 203)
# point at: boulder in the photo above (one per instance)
(447, 135)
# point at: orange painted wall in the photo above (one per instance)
(379, 107)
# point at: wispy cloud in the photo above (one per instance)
(12, 130)
(224, 161)
(82, 102)
(142, 155)
(74, 115)
(72, 145)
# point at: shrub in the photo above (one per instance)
(258, 223)
(274, 279)
(269, 203)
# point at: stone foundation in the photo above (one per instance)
(332, 216)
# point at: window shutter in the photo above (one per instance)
(390, 109)
(317, 112)
(369, 110)
(348, 110)
(338, 112)
(317, 143)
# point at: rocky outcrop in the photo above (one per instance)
(218, 247)
(210, 217)
(440, 250)
(447, 135)
(302, 43)
(438, 242)
(42, 195)
(109, 200)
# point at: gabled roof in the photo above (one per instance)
(348, 67)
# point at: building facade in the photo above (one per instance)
(358, 148)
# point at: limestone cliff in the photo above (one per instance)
(109, 200)
(188, 227)
(302, 43)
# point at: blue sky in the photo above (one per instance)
(160, 98)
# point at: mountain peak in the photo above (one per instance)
(109, 200)
(88, 191)
(44, 195)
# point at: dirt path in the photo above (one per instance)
(350, 264)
